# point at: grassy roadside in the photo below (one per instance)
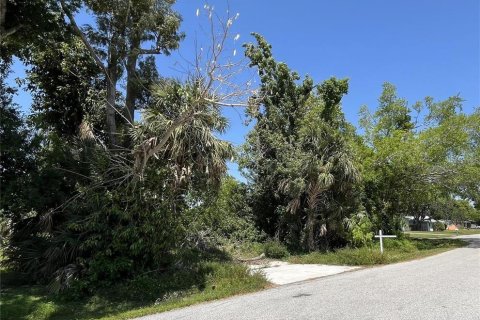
(442, 234)
(395, 251)
(210, 281)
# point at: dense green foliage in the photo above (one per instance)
(419, 168)
(70, 103)
(25, 24)
(82, 215)
(301, 166)
(17, 161)
(222, 219)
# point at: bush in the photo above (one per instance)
(223, 220)
(360, 227)
(438, 226)
(275, 250)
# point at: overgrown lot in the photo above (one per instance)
(119, 173)
(150, 293)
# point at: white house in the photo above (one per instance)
(425, 225)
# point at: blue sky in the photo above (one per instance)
(424, 47)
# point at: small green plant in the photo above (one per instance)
(360, 227)
(275, 250)
(438, 226)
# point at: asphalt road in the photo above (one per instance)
(445, 286)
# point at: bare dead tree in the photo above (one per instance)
(219, 79)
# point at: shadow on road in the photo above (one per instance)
(473, 241)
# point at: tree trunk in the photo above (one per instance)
(111, 123)
(131, 94)
(111, 95)
(310, 229)
(3, 14)
(131, 90)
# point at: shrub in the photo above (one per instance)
(224, 219)
(275, 250)
(247, 250)
(438, 226)
(360, 227)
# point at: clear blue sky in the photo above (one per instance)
(424, 47)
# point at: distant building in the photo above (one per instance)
(426, 224)
(470, 225)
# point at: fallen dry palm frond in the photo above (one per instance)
(260, 257)
(153, 145)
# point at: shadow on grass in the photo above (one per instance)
(20, 303)
(193, 273)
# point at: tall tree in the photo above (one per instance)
(276, 121)
(297, 158)
(66, 94)
(409, 171)
(16, 151)
(124, 31)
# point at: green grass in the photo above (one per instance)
(395, 251)
(442, 234)
(428, 235)
(211, 280)
(465, 231)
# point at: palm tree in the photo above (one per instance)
(321, 173)
(180, 129)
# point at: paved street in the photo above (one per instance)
(446, 286)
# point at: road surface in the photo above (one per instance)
(445, 286)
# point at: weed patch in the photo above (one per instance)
(396, 250)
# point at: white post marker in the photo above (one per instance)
(381, 236)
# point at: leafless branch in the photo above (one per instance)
(85, 41)
(217, 75)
